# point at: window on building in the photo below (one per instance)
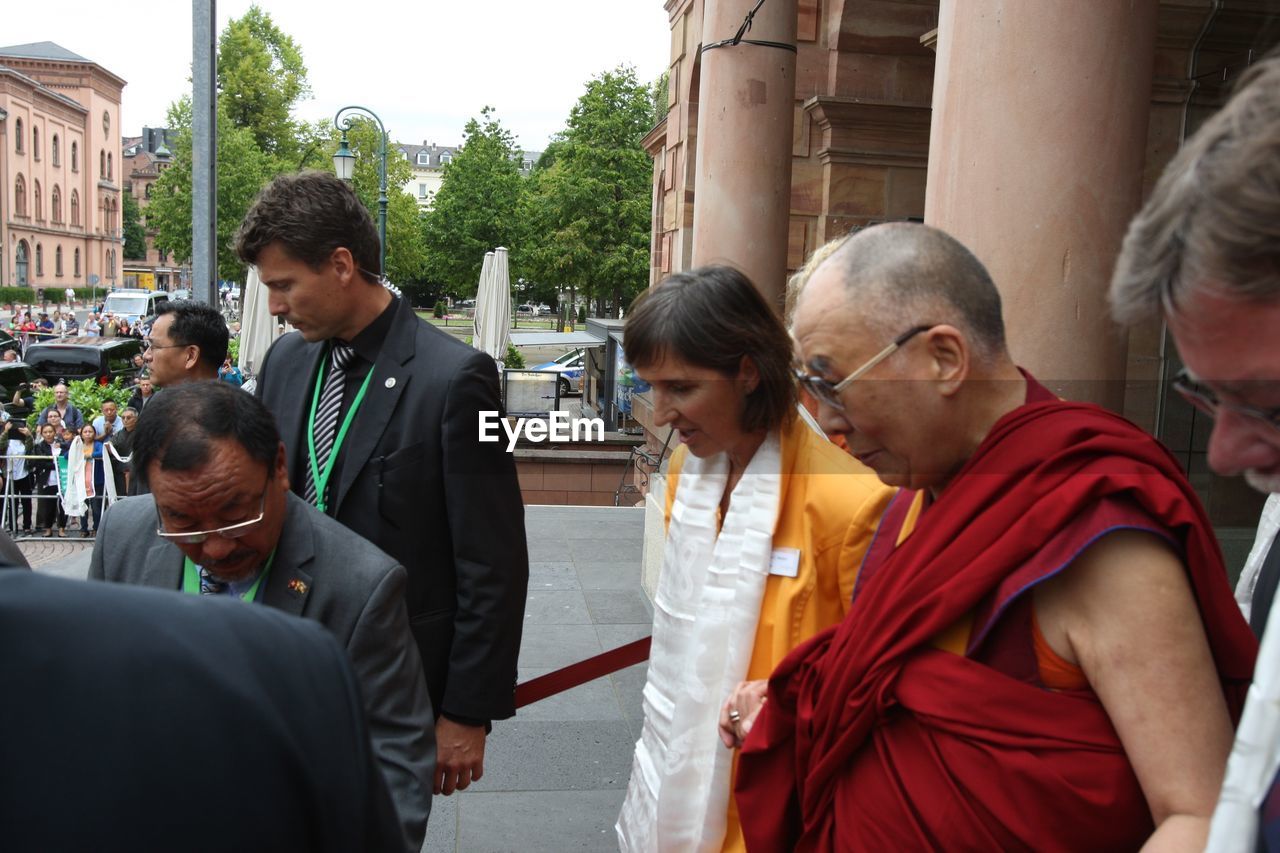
(527, 165)
(110, 172)
(75, 207)
(17, 135)
(146, 191)
(53, 149)
(57, 261)
(75, 156)
(20, 197)
(36, 207)
(76, 263)
(39, 259)
(55, 203)
(35, 142)
(424, 159)
(446, 159)
(422, 190)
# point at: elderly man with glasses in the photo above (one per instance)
(220, 520)
(1041, 648)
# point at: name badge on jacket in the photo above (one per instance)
(785, 562)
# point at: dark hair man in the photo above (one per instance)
(406, 468)
(1204, 254)
(142, 394)
(142, 720)
(188, 343)
(220, 520)
(1049, 578)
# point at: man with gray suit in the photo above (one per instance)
(220, 520)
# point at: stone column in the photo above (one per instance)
(1036, 150)
(742, 203)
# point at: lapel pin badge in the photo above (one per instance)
(298, 586)
(391, 382)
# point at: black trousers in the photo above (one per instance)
(49, 512)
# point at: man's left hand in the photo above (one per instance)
(459, 755)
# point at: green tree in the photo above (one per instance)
(406, 243)
(477, 207)
(588, 208)
(243, 168)
(261, 78)
(135, 235)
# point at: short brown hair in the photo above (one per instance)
(712, 317)
(310, 214)
(1214, 218)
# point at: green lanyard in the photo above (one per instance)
(319, 477)
(191, 578)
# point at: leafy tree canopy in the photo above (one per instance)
(243, 169)
(588, 209)
(135, 235)
(261, 78)
(477, 207)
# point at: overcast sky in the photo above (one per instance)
(424, 67)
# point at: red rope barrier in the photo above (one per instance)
(581, 672)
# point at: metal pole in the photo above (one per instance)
(204, 151)
(344, 125)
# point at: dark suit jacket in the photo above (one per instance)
(320, 572)
(417, 483)
(125, 710)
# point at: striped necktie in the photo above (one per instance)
(327, 410)
(209, 585)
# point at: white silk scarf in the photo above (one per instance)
(706, 611)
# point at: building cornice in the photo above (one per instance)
(862, 130)
(656, 139)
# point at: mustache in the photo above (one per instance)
(231, 559)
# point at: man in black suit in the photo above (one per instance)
(137, 719)
(380, 414)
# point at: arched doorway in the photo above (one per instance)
(23, 255)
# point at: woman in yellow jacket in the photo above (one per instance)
(767, 525)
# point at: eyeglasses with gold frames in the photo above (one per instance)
(829, 392)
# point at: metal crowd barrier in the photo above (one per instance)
(10, 502)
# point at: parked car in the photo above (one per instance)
(13, 374)
(9, 342)
(182, 293)
(103, 359)
(571, 366)
(527, 309)
(135, 304)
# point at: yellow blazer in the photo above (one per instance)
(829, 509)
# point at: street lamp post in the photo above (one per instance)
(344, 165)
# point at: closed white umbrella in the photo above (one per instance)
(257, 326)
(493, 306)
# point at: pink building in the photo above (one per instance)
(60, 169)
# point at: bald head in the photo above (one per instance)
(903, 274)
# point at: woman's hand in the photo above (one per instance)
(740, 711)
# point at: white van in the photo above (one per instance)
(134, 304)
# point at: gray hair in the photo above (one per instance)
(1214, 217)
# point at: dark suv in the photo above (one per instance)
(103, 359)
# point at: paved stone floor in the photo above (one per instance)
(556, 773)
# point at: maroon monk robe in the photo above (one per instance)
(873, 739)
